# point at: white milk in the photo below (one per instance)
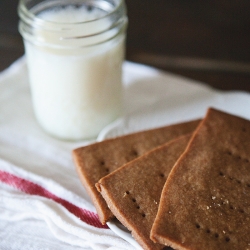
(76, 92)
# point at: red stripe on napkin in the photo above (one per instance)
(29, 187)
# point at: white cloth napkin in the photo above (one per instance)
(42, 202)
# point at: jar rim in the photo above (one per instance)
(61, 33)
(24, 12)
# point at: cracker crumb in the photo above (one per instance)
(213, 197)
(207, 207)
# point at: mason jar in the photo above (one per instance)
(74, 51)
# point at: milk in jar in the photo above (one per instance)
(74, 56)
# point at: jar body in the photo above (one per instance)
(76, 85)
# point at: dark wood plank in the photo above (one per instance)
(11, 45)
(211, 31)
(195, 30)
(207, 29)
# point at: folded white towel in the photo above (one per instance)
(42, 202)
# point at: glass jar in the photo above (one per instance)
(74, 51)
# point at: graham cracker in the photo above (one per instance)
(205, 203)
(133, 191)
(99, 159)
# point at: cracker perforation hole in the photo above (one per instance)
(238, 157)
(134, 153)
(221, 173)
(244, 130)
(102, 163)
(241, 211)
(232, 178)
(210, 232)
(231, 206)
(161, 175)
(137, 206)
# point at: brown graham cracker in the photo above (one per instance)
(133, 191)
(205, 203)
(99, 159)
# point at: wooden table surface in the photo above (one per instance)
(204, 40)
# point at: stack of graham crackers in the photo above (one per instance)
(186, 185)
